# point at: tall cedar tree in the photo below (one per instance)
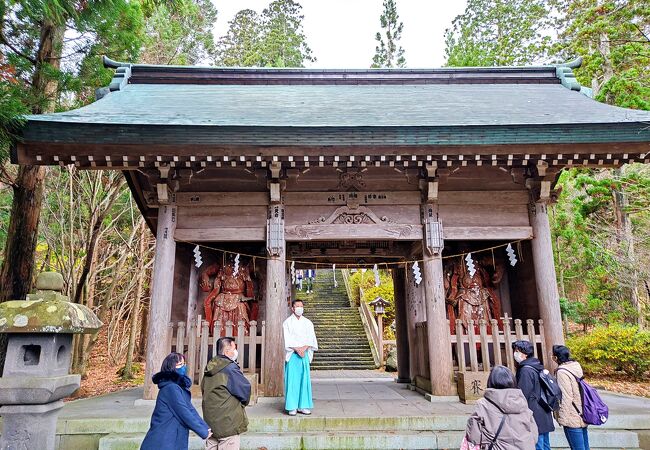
(42, 73)
(498, 33)
(388, 52)
(274, 39)
(283, 42)
(613, 38)
(240, 47)
(32, 40)
(180, 33)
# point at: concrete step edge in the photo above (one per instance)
(412, 439)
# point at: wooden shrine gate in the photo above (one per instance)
(471, 156)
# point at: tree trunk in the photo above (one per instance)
(144, 328)
(625, 237)
(18, 263)
(141, 274)
(84, 350)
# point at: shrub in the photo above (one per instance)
(613, 349)
(366, 280)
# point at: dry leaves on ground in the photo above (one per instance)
(102, 377)
(621, 385)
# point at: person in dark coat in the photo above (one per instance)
(174, 415)
(528, 369)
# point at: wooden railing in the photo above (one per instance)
(372, 332)
(198, 346)
(348, 288)
(481, 351)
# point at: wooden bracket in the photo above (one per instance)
(274, 190)
(545, 190)
(432, 191)
(275, 168)
(163, 193)
(431, 169)
(164, 171)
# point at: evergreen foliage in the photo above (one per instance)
(388, 52)
(498, 33)
(364, 281)
(613, 38)
(240, 46)
(273, 39)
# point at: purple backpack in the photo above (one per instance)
(594, 410)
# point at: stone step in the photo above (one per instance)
(374, 440)
(344, 367)
(338, 326)
(342, 357)
(327, 332)
(343, 362)
(341, 353)
(344, 347)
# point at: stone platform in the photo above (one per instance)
(353, 410)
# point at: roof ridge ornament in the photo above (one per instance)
(574, 64)
(120, 77)
(568, 79)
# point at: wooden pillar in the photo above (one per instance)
(441, 369)
(401, 327)
(440, 363)
(415, 312)
(545, 279)
(193, 308)
(160, 307)
(275, 304)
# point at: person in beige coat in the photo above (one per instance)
(502, 417)
(569, 415)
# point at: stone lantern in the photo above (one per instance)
(379, 305)
(36, 372)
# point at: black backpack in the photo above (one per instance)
(551, 395)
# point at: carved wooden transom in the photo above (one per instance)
(352, 216)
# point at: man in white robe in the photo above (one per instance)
(300, 344)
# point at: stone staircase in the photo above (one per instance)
(342, 340)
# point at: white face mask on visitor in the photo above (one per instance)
(298, 310)
(235, 354)
(519, 357)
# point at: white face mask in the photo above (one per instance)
(298, 310)
(235, 354)
(519, 357)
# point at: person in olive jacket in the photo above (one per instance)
(528, 369)
(226, 392)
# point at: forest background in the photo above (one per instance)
(85, 225)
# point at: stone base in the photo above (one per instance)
(29, 426)
(441, 398)
(471, 385)
(402, 380)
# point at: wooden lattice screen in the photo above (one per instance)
(198, 346)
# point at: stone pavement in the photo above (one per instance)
(352, 410)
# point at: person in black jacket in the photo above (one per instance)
(528, 370)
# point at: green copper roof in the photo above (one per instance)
(147, 104)
(431, 105)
